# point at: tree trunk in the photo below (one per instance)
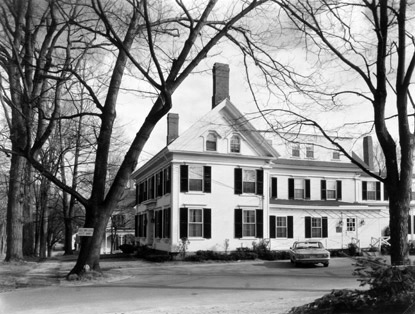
(68, 237)
(15, 210)
(399, 205)
(90, 247)
(28, 227)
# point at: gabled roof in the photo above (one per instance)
(224, 119)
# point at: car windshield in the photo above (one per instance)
(308, 245)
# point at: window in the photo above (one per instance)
(166, 180)
(235, 144)
(248, 227)
(281, 227)
(309, 152)
(211, 141)
(351, 224)
(159, 185)
(195, 178)
(298, 188)
(195, 223)
(316, 227)
(336, 155)
(295, 150)
(413, 191)
(331, 190)
(248, 181)
(371, 190)
(248, 223)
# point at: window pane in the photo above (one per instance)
(195, 230)
(281, 232)
(316, 233)
(315, 222)
(249, 187)
(249, 176)
(351, 224)
(249, 216)
(248, 230)
(195, 185)
(195, 215)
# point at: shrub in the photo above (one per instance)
(127, 248)
(385, 281)
(352, 249)
(243, 255)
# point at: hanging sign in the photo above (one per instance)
(85, 232)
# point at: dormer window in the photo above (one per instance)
(309, 151)
(235, 144)
(295, 150)
(211, 142)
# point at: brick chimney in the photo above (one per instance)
(220, 83)
(368, 152)
(172, 127)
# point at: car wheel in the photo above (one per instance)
(291, 260)
(326, 264)
(296, 264)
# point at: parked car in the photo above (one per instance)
(309, 252)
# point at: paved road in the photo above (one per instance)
(245, 287)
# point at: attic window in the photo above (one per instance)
(235, 144)
(211, 141)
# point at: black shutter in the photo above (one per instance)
(260, 182)
(141, 193)
(307, 188)
(259, 223)
(364, 190)
(183, 222)
(325, 228)
(308, 227)
(145, 225)
(409, 225)
(272, 227)
(290, 227)
(136, 225)
(339, 190)
(238, 181)
(238, 223)
(137, 194)
(207, 179)
(274, 187)
(184, 178)
(385, 193)
(167, 215)
(207, 225)
(378, 191)
(290, 188)
(323, 189)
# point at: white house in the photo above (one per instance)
(222, 185)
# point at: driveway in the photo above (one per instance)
(244, 287)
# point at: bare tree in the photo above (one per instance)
(356, 53)
(161, 43)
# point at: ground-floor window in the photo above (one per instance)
(281, 227)
(195, 223)
(316, 227)
(248, 227)
(248, 223)
(351, 224)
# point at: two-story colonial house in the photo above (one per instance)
(222, 185)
